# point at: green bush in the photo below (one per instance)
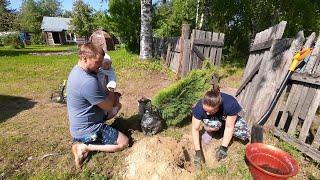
(37, 38)
(174, 103)
(12, 40)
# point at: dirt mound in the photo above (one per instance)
(159, 158)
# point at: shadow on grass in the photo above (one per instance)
(12, 105)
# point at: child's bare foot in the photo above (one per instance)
(80, 153)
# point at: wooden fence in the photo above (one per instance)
(191, 49)
(263, 65)
(296, 117)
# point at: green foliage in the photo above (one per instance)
(169, 17)
(101, 20)
(7, 16)
(221, 170)
(207, 172)
(82, 21)
(174, 102)
(29, 17)
(239, 20)
(289, 149)
(37, 38)
(50, 8)
(12, 40)
(125, 22)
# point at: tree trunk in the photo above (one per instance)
(146, 30)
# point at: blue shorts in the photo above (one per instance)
(105, 135)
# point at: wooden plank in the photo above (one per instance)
(303, 147)
(193, 57)
(295, 118)
(317, 65)
(316, 141)
(266, 86)
(296, 88)
(294, 93)
(207, 48)
(194, 63)
(315, 52)
(168, 54)
(286, 113)
(310, 116)
(309, 68)
(287, 58)
(186, 57)
(261, 46)
(307, 103)
(219, 51)
(256, 84)
(296, 45)
(201, 49)
(213, 50)
(251, 58)
(245, 96)
(198, 53)
(205, 42)
(306, 78)
(249, 78)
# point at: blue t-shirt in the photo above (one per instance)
(229, 107)
(84, 92)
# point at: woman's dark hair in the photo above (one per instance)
(213, 97)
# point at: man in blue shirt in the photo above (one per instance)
(86, 104)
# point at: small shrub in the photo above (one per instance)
(175, 102)
(37, 38)
(12, 40)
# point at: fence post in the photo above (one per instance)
(185, 31)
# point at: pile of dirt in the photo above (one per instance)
(159, 158)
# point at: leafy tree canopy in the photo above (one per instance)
(82, 19)
(125, 21)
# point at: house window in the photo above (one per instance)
(70, 36)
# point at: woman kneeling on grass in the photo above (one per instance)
(217, 111)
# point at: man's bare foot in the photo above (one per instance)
(80, 153)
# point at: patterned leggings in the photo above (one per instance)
(241, 129)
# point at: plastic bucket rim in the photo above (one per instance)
(291, 174)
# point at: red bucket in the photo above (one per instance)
(269, 162)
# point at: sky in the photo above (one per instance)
(67, 4)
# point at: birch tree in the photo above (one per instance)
(146, 30)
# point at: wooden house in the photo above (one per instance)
(56, 30)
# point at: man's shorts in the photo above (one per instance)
(241, 129)
(105, 135)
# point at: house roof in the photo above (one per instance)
(55, 24)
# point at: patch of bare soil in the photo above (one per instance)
(133, 89)
(159, 158)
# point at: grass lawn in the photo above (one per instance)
(35, 142)
(32, 126)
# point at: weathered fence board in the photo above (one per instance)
(253, 94)
(298, 121)
(213, 50)
(200, 45)
(295, 102)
